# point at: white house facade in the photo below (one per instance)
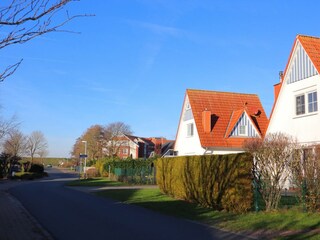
(296, 109)
(187, 139)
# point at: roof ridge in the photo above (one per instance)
(308, 36)
(213, 91)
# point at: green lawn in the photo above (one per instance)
(300, 225)
(95, 182)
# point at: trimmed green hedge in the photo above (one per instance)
(221, 182)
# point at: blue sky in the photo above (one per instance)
(134, 60)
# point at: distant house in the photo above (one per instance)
(214, 122)
(161, 145)
(134, 147)
(295, 110)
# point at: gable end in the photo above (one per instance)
(301, 66)
(244, 128)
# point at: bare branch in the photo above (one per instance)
(9, 70)
(24, 20)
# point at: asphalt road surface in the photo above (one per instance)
(69, 214)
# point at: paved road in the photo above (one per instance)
(70, 214)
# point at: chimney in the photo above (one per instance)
(206, 121)
(276, 89)
(281, 76)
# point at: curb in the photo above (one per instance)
(41, 231)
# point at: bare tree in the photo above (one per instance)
(6, 126)
(14, 147)
(36, 144)
(15, 143)
(272, 156)
(113, 137)
(23, 20)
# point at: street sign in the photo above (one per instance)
(83, 155)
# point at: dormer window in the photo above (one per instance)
(242, 130)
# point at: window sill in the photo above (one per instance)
(305, 115)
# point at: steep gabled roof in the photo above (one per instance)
(311, 45)
(236, 115)
(223, 106)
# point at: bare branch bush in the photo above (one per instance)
(24, 20)
(306, 176)
(272, 157)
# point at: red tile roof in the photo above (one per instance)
(312, 47)
(223, 105)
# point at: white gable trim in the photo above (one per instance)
(300, 65)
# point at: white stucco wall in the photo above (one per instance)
(188, 145)
(305, 128)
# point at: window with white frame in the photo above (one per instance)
(242, 130)
(190, 130)
(312, 102)
(300, 105)
(309, 100)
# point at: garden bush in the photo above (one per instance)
(221, 182)
(29, 175)
(36, 168)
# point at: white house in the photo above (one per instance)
(214, 122)
(295, 110)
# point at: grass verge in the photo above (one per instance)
(95, 182)
(284, 224)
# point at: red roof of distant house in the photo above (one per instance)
(226, 108)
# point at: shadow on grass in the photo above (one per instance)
(290, 224)
(153, 199)
(312, 232)
(95, 182)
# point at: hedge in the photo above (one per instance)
(221, 182)
(135, 171)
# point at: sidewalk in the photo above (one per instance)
(16, 223)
